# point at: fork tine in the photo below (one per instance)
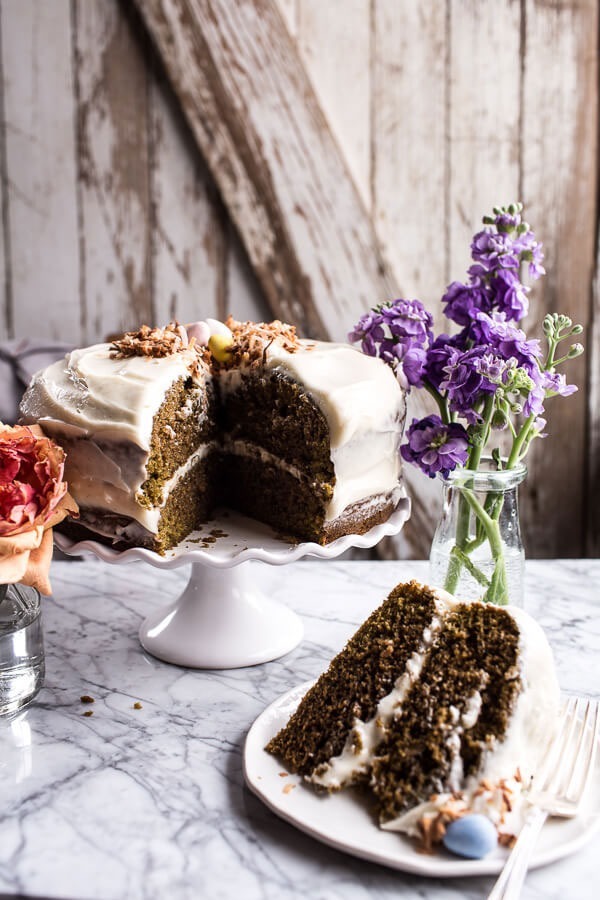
(590, 729)
(547, 768)
(568, 763)
(578, 755)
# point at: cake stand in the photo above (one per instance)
(222, 620)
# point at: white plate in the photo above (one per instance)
(343, 820)
(245, 539)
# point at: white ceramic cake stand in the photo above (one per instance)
(222, 620)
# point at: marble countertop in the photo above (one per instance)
(151, 803)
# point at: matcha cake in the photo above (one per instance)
(437, 707)
(302, 435)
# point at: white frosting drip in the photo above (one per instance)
(106, 495)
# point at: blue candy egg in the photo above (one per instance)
(472, 836)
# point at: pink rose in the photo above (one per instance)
(33, 498)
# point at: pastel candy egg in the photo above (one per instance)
(217, 327)
(220, 347)
(472, 836)
(200, 331)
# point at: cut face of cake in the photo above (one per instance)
(434, 705)
(301, 435)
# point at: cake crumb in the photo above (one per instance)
(283, 774)
(288, 788)
(137, 705)
(88, 713)
(85, 698)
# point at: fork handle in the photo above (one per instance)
(511, 878)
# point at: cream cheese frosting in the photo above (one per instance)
(90, 392)
(111, 402)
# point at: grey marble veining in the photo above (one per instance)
(150, 803)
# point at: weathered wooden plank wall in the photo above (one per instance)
(442, 108)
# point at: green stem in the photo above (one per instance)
(497, 591)
(441, 401)
(519, 442)
(455, 563)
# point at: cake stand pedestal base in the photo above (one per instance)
(221, 621)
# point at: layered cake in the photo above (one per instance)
(163, 423)
(439, 708)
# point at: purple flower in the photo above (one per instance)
(367, 330)
(506, 340)
(466, 380)
(509, 294)
(397, 331)
(413, 365)
(408, 321)
(436, 447)
(463, 301)
(530, 251)
(555, 385)
(439, 353)
(534, 402)
(494, 250)
(507, 222)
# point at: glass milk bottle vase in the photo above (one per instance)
(21, 646)
(477, 551)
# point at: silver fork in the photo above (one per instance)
(557, 788)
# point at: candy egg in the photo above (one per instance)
(220, 346)
(200, 331)
(217, 327)
(472, 836)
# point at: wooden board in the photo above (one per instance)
(189, 231)
(592, 511)
(113, 128)
(336, 52)
(483, 119)
(41, 221)
(272, 155)
(409, 142)
(560, 182)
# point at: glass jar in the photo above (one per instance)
(477, 551)
(21, 646)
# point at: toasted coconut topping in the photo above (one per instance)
(153, 342)
(251, 339)
(156, 343)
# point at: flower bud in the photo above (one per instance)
(575, 350)
(499, 420)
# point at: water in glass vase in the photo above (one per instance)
(469, 588)
(477, 551)
(21, 646)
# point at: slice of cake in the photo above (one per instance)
(301, 435)
(439, 707)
